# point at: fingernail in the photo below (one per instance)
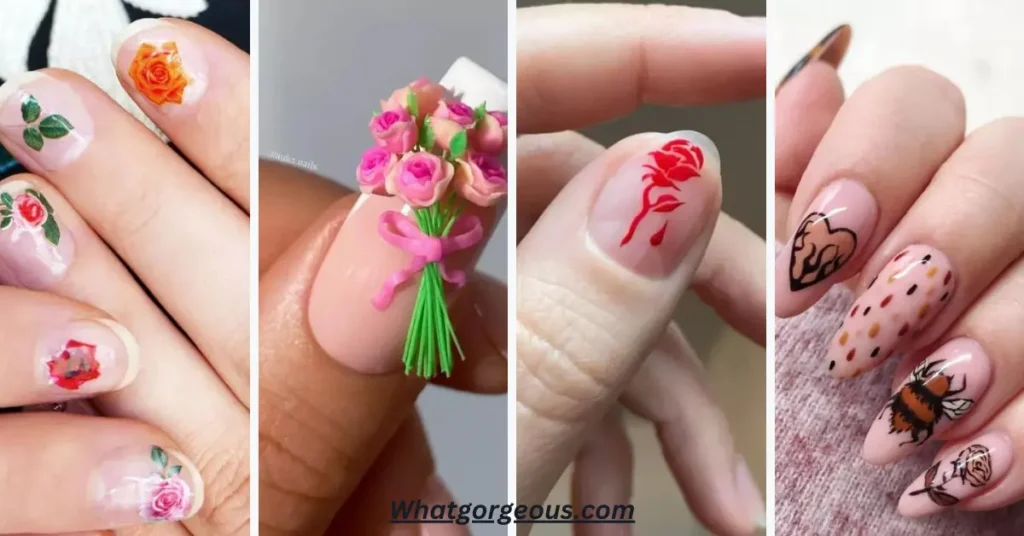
(749, 494)
(161, 67)
(86, 357)
(831, 49)
(837, 225)
(149, 484)
(905, 296)
(959, 475)
(941, 390)
(35, 247)
(653, 208)
(43, 121)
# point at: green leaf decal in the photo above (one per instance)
(427, 135)
(5, 223)
(55, 126)
(174, 471)
(458, 145)
(479, 112)
(33, 138)
(42, 198)
(29, 108)
(52, 233)
(159, 456)
(7, 200)
(411, 104)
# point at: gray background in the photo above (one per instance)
(324, 65)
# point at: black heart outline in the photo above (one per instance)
(823, 271)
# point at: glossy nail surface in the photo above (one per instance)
(958, 475)
(43, 120)
(146, 485)
(831, 49)
(35, 248)
(160, 65)
(653, 208)
(833, 232)
(941, 390)
(905, 296)
(86, 357)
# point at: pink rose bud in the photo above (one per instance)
(481, 179)
(428, 95)
(488, 136)
(444, 131)
(420, 179)
(395, 130)
(456, 111)
(373, 170)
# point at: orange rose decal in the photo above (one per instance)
(158, 73)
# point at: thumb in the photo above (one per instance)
(599, 277)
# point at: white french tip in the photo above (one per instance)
(16, 81)
(130, 30)
(475, 85)
(702, 140)
(131, 348)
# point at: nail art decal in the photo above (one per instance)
(74, 365)
(29, 210)
(831, 48)
(924, 400)
(674, 163)
(899, 303)
(158, 73)
(818, 251)
(973, 466)
(52, 126)
(165, 496)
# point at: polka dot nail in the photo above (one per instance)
(905, 296)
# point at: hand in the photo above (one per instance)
(604, 257)
(128, 269)
(887, 193)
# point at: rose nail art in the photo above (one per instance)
(941, 390)
(831, 49)
(905, 296)
(959, 475)
(161, 66)
(154, 485)
(651, 210)
(839, 221)
(43, 120)
(86, 357)
(35, 249)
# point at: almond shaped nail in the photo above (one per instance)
(940, 391)
(36, 249)
(905, 296)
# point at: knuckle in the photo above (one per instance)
(226, 502)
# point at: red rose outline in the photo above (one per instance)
(674, 163)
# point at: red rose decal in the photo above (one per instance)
(169, 499)
(675, 162)
(74, 365)
(30, 210)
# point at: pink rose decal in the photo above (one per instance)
(455, 111)
(394, 130)
(373, 170)
(165, 496)
(428, 95)
(420, 179)
(488, 136)
(481, 179)
(29, 210)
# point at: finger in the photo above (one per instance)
(203, 285)
(482, 314)
(109, 473)
(670, 390)
(862, 179)
(194, 85)
(944, 252)
(56, 349)
(579, 65)
(728, 278)
(602, 474)
(830, 50)
(598, 277)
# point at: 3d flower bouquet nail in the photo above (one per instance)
(436, 154)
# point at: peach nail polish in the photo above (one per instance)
(43, 121)
(36, 250)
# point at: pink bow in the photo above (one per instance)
(403, 233)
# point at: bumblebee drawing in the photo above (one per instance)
(923, 401)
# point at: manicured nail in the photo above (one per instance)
(148, 484)
(941, 390)
(653, 208)
(43, 121)
(86, 357)
(902, 299)
(831, 49)
(160, 66)
(959, 475)
(749, 495)
(35, 248)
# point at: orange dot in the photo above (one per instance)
(923, 311)
(843, 338)
(874, 330)
(932, 271)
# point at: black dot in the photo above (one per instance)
(866, 310)
(944, 296)
(874, 353)
(926, 259)
(872, 283)
(911, 290)
(831, 365)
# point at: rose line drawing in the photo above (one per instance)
(165, 495)
(674, 163)
(972, 466)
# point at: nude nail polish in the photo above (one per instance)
(85, 357)
(36, 250)
(145, 485)
(941, 390)
(898, 303)
(831, 234)
(959, 474)
(165, 70)
(43, 121)
(652, 209)
(831, 49)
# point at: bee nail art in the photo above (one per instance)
(45, 119)
(35, 249)
(898, 304)
(941, 390)
(961, 474)
(160, 66)
(830, 49)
